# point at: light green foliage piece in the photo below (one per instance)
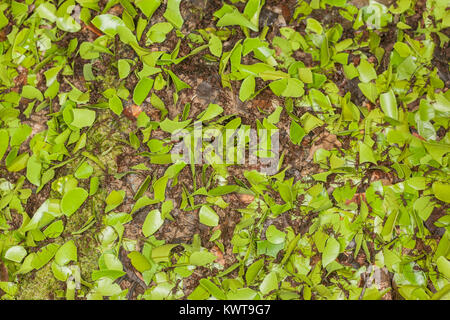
(247, 88)
(101, 103)
(15, 253)
(201, 258)
(215, 45)
(366, 71)
(114, 199)
(152, 223)
(148, 7)
(173, 14)
(389, 104)
(82, 118)
(124, 68)
(330, 252)
(208, 216)
(72, 200)
(142, 90)
(66, 253)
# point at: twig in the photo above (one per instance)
(93, 29)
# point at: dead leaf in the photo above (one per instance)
(385, 178)
(246, 198)
(138, 274)
(132, 112)
(218, 253)
(21, 78)
(286, 12)
(117, 10)
(357, 198)
(3, 273)
(325, 141)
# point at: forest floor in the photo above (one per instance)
(92, 92)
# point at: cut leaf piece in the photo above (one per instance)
(314, 25)
(73, 200)
(389, 104)
(148, 7)
(34, 170)
(296, 132)
(16, 253)
(442, 191)
(274, 235)
(370, 90)
(215, 45)
(82, 118)
(139, 261)
(142, 90)
(443, 266)
(366, 71)
(331, 251)
(269, 283)
(236, 18)
(157, 33)
(212, 289)
(54, 230)
(247, 88)
(179, 84)
(4, 142)
(208, 216)
(124, 68)
(114, 199)
(66, 253)
(289, 87)
(253, 270)
(211, 112)
(19, 163)
(202, 258)
(44, 255)
(115, 104)
(152, 223)
(108, 23)
(173, 14)
(30, 92)
(366, 153)
(84, 171)
(171, 126)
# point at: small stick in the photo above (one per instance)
(93, 29)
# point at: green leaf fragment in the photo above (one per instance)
(72, 200)
(366, 154)
(208, 216)
(173, 14)
(269, 283)
(139, 261)
(152, 223)
(441, 191)
(115, 104)
(202, 258)
(274, 235)
(366, 71)
(247, 88)
(389, 104)
(148, 7)
(124, 68)
(330, 252)
(66, 253)
(82, 118)
(236, 18)
(114, 199)
(142, 90)
(15, 253)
